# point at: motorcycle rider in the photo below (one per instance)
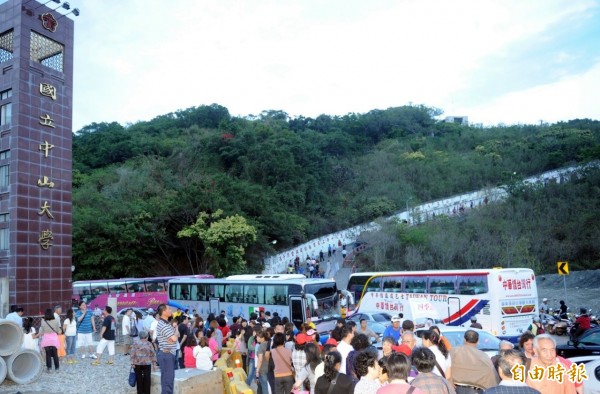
(563, 310)
(582, 323)
(544, 306)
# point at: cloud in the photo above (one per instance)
(138, 59)
(570, 98)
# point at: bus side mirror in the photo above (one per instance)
(349, 296)
(313, 300)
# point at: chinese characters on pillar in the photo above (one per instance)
(45, 239)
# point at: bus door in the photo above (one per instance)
(297, 310)
(453, 308)
(213, 305)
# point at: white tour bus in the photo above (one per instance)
(504, 300)
(291, 295)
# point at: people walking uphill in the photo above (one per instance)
(85, 328)
(166, 335)
(107, 337)
(49, 330)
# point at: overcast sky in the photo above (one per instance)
(494, 61)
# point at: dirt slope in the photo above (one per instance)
(583, 290)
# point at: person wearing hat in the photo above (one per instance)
(544, 308)
(298, 354)
(474, 323)
(394, 330)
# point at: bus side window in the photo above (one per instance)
(233, 293)
(272, 295)
(98, 289)
(154, 285)
(260, 294)
(134, 287)
(200, 293)
(392, 284)
(472, 284)
(442, 284)
(374, 284)
(415, 285)
(217, 291)
(185, 293)
(250, 294)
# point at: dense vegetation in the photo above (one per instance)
(536, 227)
(182, 192)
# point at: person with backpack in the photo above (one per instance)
(536, 327)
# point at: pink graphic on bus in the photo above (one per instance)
(129, 292)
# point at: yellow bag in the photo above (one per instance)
(61, 346)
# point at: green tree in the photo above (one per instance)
(224, 241)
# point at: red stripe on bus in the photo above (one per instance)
(462, 311)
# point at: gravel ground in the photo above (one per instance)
(582, 290)
(79, 378)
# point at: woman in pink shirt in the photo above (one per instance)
(212, 344)
(282, 358)
(189, 361)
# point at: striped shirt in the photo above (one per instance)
(85, 326)
(164, 330)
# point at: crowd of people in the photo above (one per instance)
(280, 358)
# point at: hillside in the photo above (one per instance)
(581, 290)
(136, 188)
(537, 226)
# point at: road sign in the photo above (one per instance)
(563, 267)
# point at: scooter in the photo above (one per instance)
(564, 326)
(572, 333)
(549, 322)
